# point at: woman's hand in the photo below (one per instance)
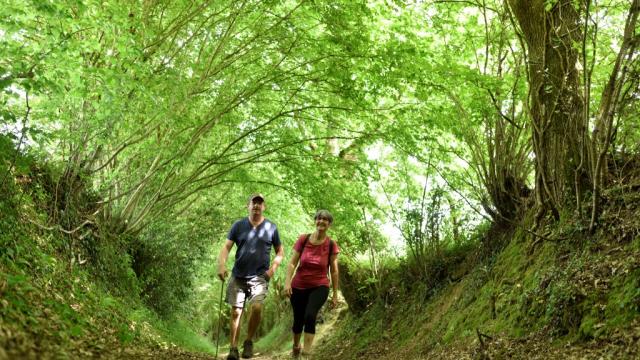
(334, 301)
(287, 290)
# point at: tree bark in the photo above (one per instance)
(555, 101)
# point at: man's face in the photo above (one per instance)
(256, 207)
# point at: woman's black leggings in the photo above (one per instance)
(306, 303)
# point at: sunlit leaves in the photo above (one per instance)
(162, 102)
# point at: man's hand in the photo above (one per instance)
(222, 273)
(269, 273)
(222, 259)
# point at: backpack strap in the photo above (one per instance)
(304, 243)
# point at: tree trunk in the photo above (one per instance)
(559, 128)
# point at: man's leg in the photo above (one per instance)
(258, 287)
(254, 320)
(236, 314)
(236, 295)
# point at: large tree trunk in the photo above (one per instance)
(555, 102)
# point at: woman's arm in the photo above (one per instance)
(291, 267)
(334, 279)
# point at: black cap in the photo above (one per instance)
(256, 196)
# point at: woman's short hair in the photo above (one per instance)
(323, 213)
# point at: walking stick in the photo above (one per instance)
(219, 318)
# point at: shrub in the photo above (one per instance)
(164, 260)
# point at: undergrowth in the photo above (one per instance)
(572, 290)
(63, 296)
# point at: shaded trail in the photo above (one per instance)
(324, 328)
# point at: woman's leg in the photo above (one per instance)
(296, 344)
(317, 297)
(299, 299)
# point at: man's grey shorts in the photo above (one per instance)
(253, 290)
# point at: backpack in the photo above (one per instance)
(304, 244)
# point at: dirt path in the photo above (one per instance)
(26, 347)
(323, 330)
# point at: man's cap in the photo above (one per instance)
(256, 196)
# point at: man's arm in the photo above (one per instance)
(276, 261)
(222, 259)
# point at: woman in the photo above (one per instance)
(313, 255)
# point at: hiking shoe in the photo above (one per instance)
(233, 354)
(247, 349)
(296, 352)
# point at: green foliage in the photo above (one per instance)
(43, 293)
(7, 186)
(575, 297)
(277, 337)
(165, 260)
(624, 302)
(145, 325)
(401, 278)
(131, 135)
(44, 297)
(566, 291)
(112, 264)
(357, 286)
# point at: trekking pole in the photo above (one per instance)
(219, 318)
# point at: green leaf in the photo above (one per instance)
(76, 331)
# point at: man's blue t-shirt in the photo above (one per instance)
(253, 246)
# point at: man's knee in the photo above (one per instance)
(236, 312)
(256, 308)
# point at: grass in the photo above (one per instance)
(146, 326)
(554, 288)
(52, 306)
(278, 339)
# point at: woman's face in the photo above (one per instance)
(323, 223)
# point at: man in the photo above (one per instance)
(254, 236)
